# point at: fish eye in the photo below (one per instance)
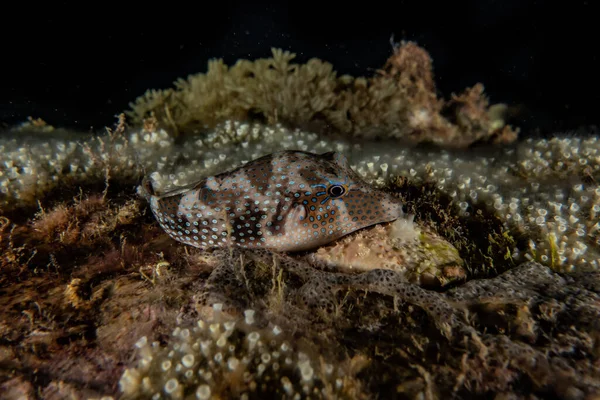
(336, 190)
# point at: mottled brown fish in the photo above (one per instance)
(285, 201)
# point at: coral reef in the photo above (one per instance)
(87, 271)
(492, 289)
(542, 190)
(509, 334)
(226, 357)
(399, 102)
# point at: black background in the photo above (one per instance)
(79, 64)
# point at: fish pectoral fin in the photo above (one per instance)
(203, 192)
(146, 188)
(299, 212)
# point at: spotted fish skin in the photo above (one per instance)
(285, 201)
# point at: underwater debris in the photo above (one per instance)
(400, 102)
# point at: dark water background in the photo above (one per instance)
(77, 64)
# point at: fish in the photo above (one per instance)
(286, 201)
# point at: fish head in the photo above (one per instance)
(333, 201)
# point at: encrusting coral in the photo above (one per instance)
(492, 289)
(226, 357)
(482, 337)
(398, 102)
(558, 218)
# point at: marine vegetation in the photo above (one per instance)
(400, 101)
(487, 285)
